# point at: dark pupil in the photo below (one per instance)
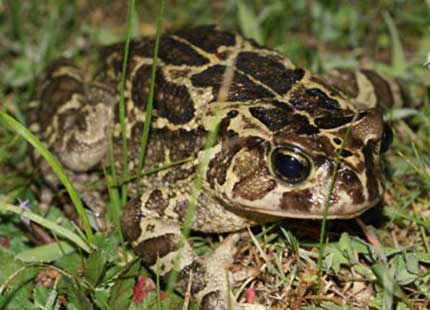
(289, 167)
(387, 138)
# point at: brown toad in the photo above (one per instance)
(280, 129)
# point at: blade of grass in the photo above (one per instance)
(150, 99)
(248, 22)
(114, 208)
(57, 229)
(398, 57)
(122, 103)
(157, 281)
(56, 166)
(327, 205)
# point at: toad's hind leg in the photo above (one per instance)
(157, 236)
(72, 117)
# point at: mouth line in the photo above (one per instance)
(295, 215)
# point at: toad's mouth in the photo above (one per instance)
(334, 212)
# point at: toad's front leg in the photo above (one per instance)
(152, 226)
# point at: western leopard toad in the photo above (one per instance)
(280, 129)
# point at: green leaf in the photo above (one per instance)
(365, 271)
(9, 265)
(70, 263)
(17, 299)
(122, 291)
(101, 298)
(423, 257)
(51, 303)
(345, 245)
(17, 242)
(401, 274)
(334, 257)
(389, 285)
(412, 263)
(44, 298)
(78, 300)
(171, 301)
(106, 245)
(46, 253)
(402, 306)
(94, 267)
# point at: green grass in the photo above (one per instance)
(56, 166)
(389, 254)
(122, 107)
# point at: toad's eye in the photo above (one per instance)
(289, 165)
(387, 138)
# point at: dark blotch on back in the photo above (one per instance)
(333, 121)
(281, 116)
(207, 38)
(273, 117)
(269, 71)
(241, 88)
(338, 119)
(156, 202)
(171, 100)
(223, 130)
(183, 144)
(181, 208)
(173, 52)
(313, 99)
(151, 249)
(131, 216)
(175, 174)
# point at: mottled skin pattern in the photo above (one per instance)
(271, 107)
